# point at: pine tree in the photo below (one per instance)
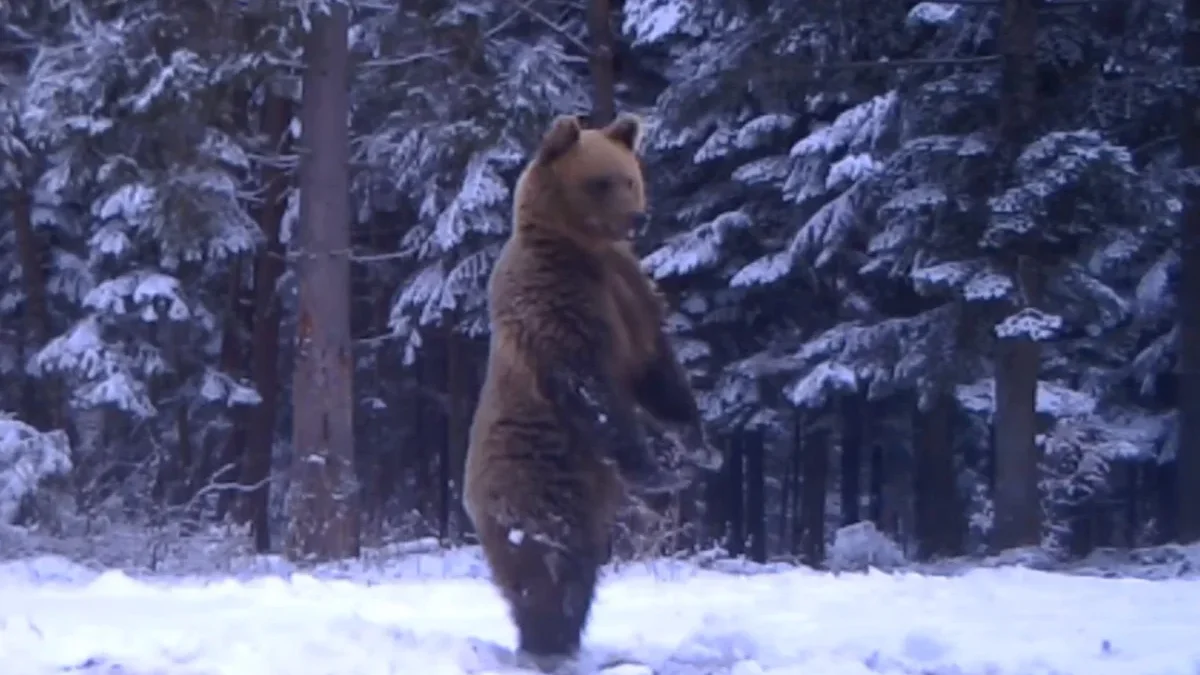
(323, 498)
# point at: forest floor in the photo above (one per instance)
(408, 610)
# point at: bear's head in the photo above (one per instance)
(585, 184)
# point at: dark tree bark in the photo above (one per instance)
(876, 485)
(1167, 502)
(787, 494)
(812, 499)
(604, 103)
(735, 501)
(1017, 498)
(940, 525)
(1133, 476)
(798, 455)
(851, 458)
(756, 502)
(1187, 479)
(324, 499)
(222, 465)
(39, 400)
(458, 422)
(264, 340)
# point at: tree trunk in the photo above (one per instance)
(264, 341)
(812, 500)
(221, 465)
(735, 511)
(787, 494)
(604, 104)
(851, 464)
(1187, 479)
(1167, 503)
(798, 455)
(756, 503)
(939, 514)
(458, 422)
(39, 400)
(1017, 498)
(876, 486)
(324, 491)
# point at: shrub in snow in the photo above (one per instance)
(26, 457)
(860, 545)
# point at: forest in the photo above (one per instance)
(926, 263)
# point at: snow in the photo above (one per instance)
(26, 457)
(672, 616)
(1052, 399)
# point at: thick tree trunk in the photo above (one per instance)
(1017, 498)
(756, 503)
(812, 500)
(324, 491)
(876, 485)
(735, 511)
(264, 341)
(221, 465)
(798, 454)
(1187, 480)
(39, 400)
(604, 104)
(851, 464)
(939, 514)
(787, 494)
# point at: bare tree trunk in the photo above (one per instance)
(939, 525)
(756, 502)
(264, 341)
(876, 485)
(219, 464)
(812, 499)
(40, 403)
(851, 464)
(787, 492)
(1187, 478)
(735, 502)
(324, 491)
(604, 103)
(1017, 498)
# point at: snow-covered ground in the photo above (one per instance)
(430, 618)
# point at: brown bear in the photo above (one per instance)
(578, 364)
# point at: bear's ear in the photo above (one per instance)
(626, 130)
(563, 134)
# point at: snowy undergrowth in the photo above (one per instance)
(693, 621)
(221, 552)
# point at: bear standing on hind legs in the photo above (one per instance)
(577, 361)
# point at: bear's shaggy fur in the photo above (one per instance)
(578, 370)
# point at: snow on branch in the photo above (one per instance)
(474, 206)
(764, 271)
(649, 21)
(1048, 167)
(815, 388)
(1154, 299)
(220, 387)
(860, 127)
(828, 227)
(27, 456)
(1030, 323)
(933, 13)
(1052, 399)
(696, 249)
(1156, 358)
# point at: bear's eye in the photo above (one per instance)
(599, 187)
